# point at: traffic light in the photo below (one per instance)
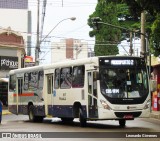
(96, 22)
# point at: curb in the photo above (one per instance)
(155, 115)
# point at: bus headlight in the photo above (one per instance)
(147, 104)
(105, 105)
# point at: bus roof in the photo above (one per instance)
(56, 65)
(66, 63)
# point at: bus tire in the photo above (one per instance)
(31, 114)
(122, 122)
(39, 118)
(82, 119)
(67, 119)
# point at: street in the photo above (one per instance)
(14, 123)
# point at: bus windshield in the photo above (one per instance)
(123, 82)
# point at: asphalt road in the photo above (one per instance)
(98, 130)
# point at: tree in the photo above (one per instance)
(137, 6)
(126, 14)
(105, 35)
(155, 37)
(152, 9)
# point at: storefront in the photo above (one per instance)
(12, 52)
(156, 90)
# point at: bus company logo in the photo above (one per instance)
(131, 107)
(20, 135)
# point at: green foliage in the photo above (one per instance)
(152, 8)
(107, 11)
(155, 38)
(126, 19)
(125, 13)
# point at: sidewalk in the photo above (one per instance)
(155, 114)
(5, 111)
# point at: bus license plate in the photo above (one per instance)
(128, 116)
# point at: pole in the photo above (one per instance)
(143, 48)
(131, 45)
(38, 43)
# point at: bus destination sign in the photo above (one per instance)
(117, 62)
(122, 62)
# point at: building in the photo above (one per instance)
(69, 49)
(12, 52)
(155, 83)
(15, 14)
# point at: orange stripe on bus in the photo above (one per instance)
(24, 94)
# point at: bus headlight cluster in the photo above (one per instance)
(147, 104)
(105, 105)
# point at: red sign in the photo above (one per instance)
(28, 59)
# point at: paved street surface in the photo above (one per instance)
(14, 123)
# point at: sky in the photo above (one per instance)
(56, 11)
(124, 47)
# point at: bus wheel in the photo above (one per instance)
(82, 119)
(39, 119)
(122, 122)
(31, 113)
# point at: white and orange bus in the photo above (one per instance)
(97, 88)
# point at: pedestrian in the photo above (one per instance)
(1, 104)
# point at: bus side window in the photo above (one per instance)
(56, 78)
(78, 77)
(89, 83)
(40, 79)
(66, 78)
(33, 80)
(12, 83)
(95, 83)
(26, 81)
(49, 83)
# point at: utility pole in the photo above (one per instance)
(143, 47)
(37, 49)
(131, 44)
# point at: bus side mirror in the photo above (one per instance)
(96, 75)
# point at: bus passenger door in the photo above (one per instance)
(19, 94)
(49, 96)
(92, 95)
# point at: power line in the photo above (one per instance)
(64, 4)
